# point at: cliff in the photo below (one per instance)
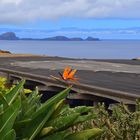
(8, 36)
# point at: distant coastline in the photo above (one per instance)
(12, 36)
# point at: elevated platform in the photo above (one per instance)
(100, 80)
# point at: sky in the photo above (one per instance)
(106, 19)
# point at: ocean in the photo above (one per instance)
(104, 49)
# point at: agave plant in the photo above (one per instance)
(25, 118)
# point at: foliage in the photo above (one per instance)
(3, 82)
(5, 86)
(120, 124)
(25, 118)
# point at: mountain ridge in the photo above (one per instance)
(12, 36)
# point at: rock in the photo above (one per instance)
(57, 38)
(138, 58)
(64, 38)
(12, 36)
(91, 39)
(5, 52)
(76, 39)
(8, 36)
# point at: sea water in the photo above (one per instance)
(104, 49)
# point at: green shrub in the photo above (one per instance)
(3, 85)
(121, 124)
(25, 118)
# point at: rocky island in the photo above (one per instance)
(8, 36)
(12, 36)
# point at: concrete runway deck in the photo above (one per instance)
(123, 75)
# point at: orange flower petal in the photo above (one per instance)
(71, 74)
(66, 72)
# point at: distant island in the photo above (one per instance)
(12, 36)
(9, 36)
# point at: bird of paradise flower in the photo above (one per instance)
(68, 75)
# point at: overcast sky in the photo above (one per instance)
(52, 14)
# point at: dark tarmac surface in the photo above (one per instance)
(123, 75)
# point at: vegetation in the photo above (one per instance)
(3, 88)
(119, 124)
(23, 117)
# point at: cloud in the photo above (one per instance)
(11, 1)
(22, 11)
